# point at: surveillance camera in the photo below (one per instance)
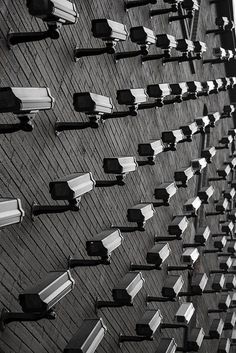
(44, 295)
(205, 193)
(160, 90)
(194, 87)
(108, 30)
(158, 254)
(202, 235)
(230, 321)
(190, 256)
(222, 205)
(142, 35)
(218, 282)
(131, 97)
(172, 286)
(119, 165)
(149, 323)
(185, 313)
(229, 193)
(195, 339)
(198, 165)
(184, 45)
(211, 87)
(178, 226)
(198, 283)
(88, 337)
(233, 299)
(125, 291)
(189, 130)
(167, 345)
(150, 149)
(225, 301)
(219, 52)
(183, 175)
(199, 47)
(224, 172)
(234, 267)
(25, 100)
(202, 122)
(214, 117)
(179, 89)
(224, 345)
(61, 11)
(165, 41)
(11, 212)
(231, 247)
(72, 186)
(140, 213)
(208, 153)
(228, 110)
(216, 328)
(225, 263)
(220, 243)
(104, 243)
(230, 282)
(91, 103)
(192, 205)
(172, 136)
(227, 227)
(165, 191)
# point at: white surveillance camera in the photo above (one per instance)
(11, 212)
(72, 186)
(44, 295)
(88, 337)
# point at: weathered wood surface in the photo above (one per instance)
(29, 161)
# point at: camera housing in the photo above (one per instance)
(167, 345)
(158, 254)
(149, 323)
(208, 153)
(131, 97)
(178, 225)
(88, 337)
(206, 193)
(195, 339)
(11, 212)
(72, 186)
(183, 175)
(142, 35)
(185, 313)
(150, 149)
(224, 345)
(109, 30)
(119, 165)
(198, 283)
(25, 100)
(230, 281)
(192, 205)
(198, 165)
(202, 235)
(44, 295)
(218, 282)
(172, 286)
(225, 301)
(230, 320)
(216, 328)
(190, 256)
(63, 12)
(104, 243)
(92, 103)
(165, 192)
(140, 213)
(125, 291)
